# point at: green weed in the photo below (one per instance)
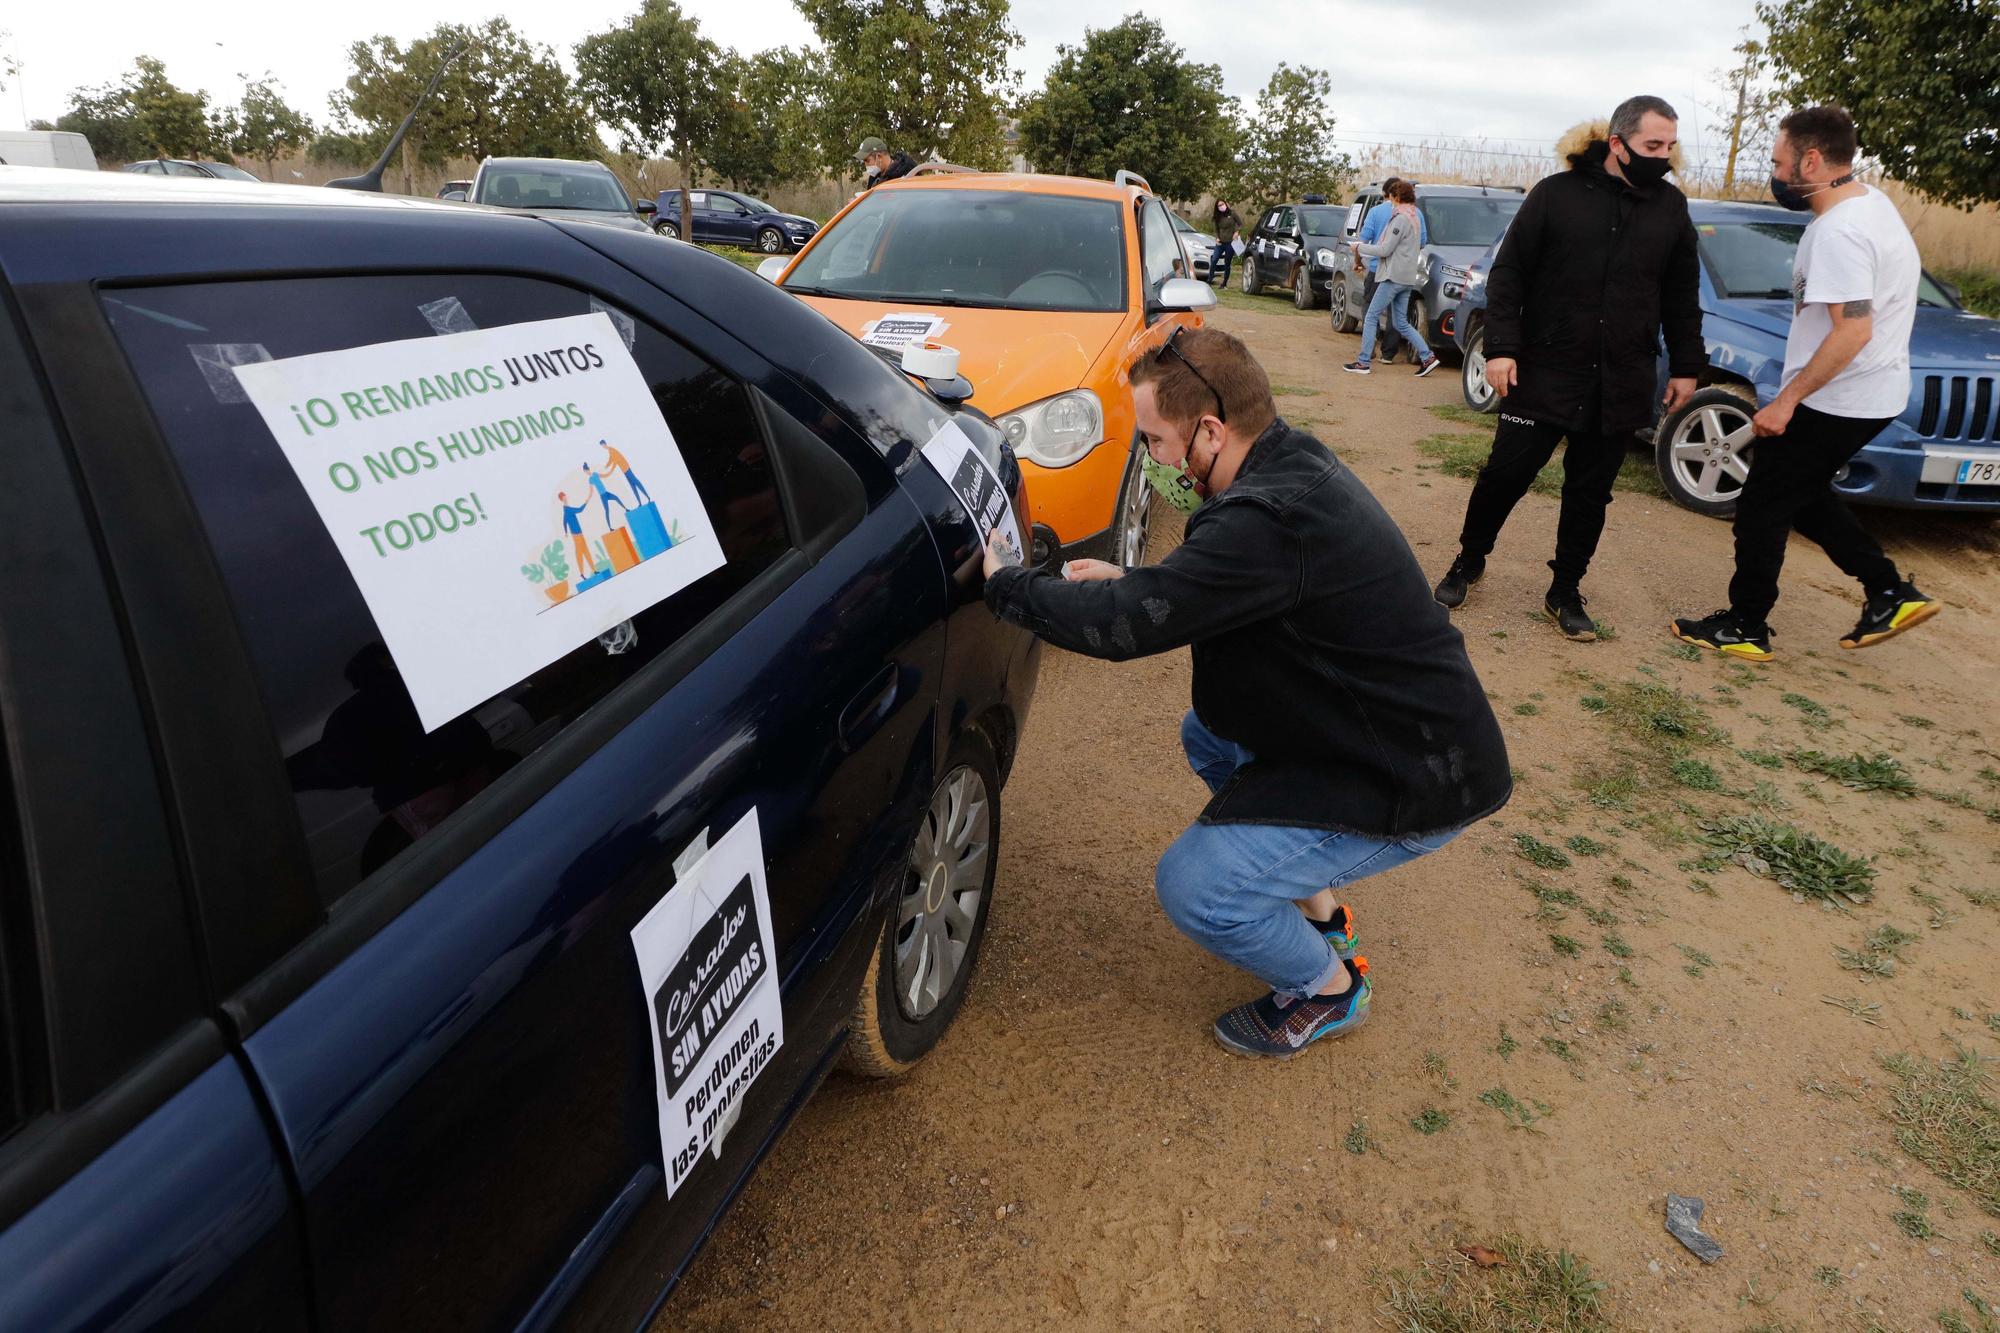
(1763, 758)
(1565, 946)
(1815, 713)
(1584, 846)
(1946, 1118)
(1696, 775)
(1356, 1140)
(1881, 949)
(1537, 852)
(1526, 710)
(1531, 1288)
(1430, 1120)
(1793, 858)
(1616, 946)
(1507, 1046)
(1879, 772)
(1518, 1114)
(1697, 961)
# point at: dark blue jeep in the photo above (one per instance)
(315, 1016)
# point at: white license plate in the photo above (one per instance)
(1979, 472)
(1961, 469)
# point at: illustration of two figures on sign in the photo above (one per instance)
(603, 531)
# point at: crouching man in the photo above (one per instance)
(1337, 720)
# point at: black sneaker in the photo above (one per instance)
(1464, 572)
(1885, 615)
(1565, 607)
(1357, 368)
(1724, 632)
(1426, 367)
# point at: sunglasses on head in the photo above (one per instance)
(1168, 349)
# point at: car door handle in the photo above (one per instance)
(869, 708)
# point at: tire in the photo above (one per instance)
(1344, 321)
(668, 230)
(771, 241)
(889, 1030)
(1133, 524)
(1703, 450)
(1472, 385)
(1302, 287)
(1251, 281)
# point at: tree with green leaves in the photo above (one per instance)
(926, 75)
(265, 127)
(1918, 76)
(1288, 146)
(504, 96)
(1751, 109)
(769, 133)
(653, 79)
(146, 115)
(1128, 98)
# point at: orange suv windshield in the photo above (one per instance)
(999, 249)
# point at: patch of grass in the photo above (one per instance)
(1356, 1139)
(1430, 1120)
(1990, 775)
(1536, 852)
(1616, 946)
(1458, 414)
(1914, 1224)
(1613, 1016)
(1625, 977)
(1507, 1046)
(1606, 631)
(1696, 775)
(1793, 858)
(1827, 1275)
(1946, 1118)
(1877, 772)
(1594, 703)
(1613, 793)
(1698, 962)
(1526, 710)
(1531, 1288)
(1561, 1050)
(1565, 946)
(1881, 949)
(1585, 846)
(1458, 455)
(1265, 303)
(1990, 1243)
(1763, 758)
(1981, 897)
(1435, 1066)
(1686, 652)
(1853, 1005)
(1817, 718)
(1518, 1114)
(1661, 716)
(1599, 916)
(1920, 723)
(1291, 390)
(1764, 795)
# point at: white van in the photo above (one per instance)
(46, 148)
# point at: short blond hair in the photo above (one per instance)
(1236, 379)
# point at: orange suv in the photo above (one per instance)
(1049, 287)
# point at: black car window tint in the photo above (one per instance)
(367, 779)
(17, 971)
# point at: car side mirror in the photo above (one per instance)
(1184, 294)
(773, 268)
(646, 208)
(742, 212)
(453, 196)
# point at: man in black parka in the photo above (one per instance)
(1337, 720)
(1599, 261)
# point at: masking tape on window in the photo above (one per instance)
(627, 328)
(447, 315)
(217, 362)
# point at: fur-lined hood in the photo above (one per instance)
(1579, 139)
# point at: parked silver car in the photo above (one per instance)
(1200, 246)
(554, 187)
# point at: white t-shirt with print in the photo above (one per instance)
(1858, 250)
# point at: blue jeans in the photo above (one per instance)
(1218, 264)
(1233, 888)
(1395, 298)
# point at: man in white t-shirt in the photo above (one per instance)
(1847, 375)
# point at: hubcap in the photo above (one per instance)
(771, 242)
(940, 902)
(1476, 387)
(1710, 451)
(1136, 522)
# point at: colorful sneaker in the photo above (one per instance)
(1280, 1026)
(1339, 932)
(1724, 633)
(1357, 368)
(1889, 614)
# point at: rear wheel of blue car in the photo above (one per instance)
(771, 241)
(1703, 449)
(919, 972)
(1472, 382)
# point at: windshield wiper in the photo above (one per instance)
(1773, 294)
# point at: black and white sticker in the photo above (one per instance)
(711, 987)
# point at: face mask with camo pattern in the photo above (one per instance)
(1176, 485)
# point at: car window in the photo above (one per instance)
(180, 169)
(16, 972)
(990, 248)
(698, 198)
(367, 780)
(552, 187)
(1468, 220)
(230, 172)
(1282, 222)
(1161, 249)
(1750, 259)
(1323, 221)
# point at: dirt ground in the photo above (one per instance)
(1079, 1153)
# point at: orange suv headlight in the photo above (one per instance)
(1056, 431)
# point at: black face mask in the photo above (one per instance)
(1796, 199)
(1642, 170)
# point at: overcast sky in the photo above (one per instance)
(1402, 70)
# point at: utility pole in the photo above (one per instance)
(1751, 50)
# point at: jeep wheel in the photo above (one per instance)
(1135, 514)
(1472, 382)
(930, 943)
(1251, 281)
(1344, 320)
(1703, 450)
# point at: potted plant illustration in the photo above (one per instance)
(554, 568)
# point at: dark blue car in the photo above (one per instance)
(722, 217)
(313, 1016)
(1942, 452)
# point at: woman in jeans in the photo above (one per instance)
(1400, 252)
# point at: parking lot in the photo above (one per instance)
(1580, 1006)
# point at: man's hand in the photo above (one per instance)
(1085, 571)
(1678, 392)
(1000, 553)
(1502, 374)
(1773, 418)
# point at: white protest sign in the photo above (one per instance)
(711, 990)
(894, 331)
(971, 478)
(501, 496)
